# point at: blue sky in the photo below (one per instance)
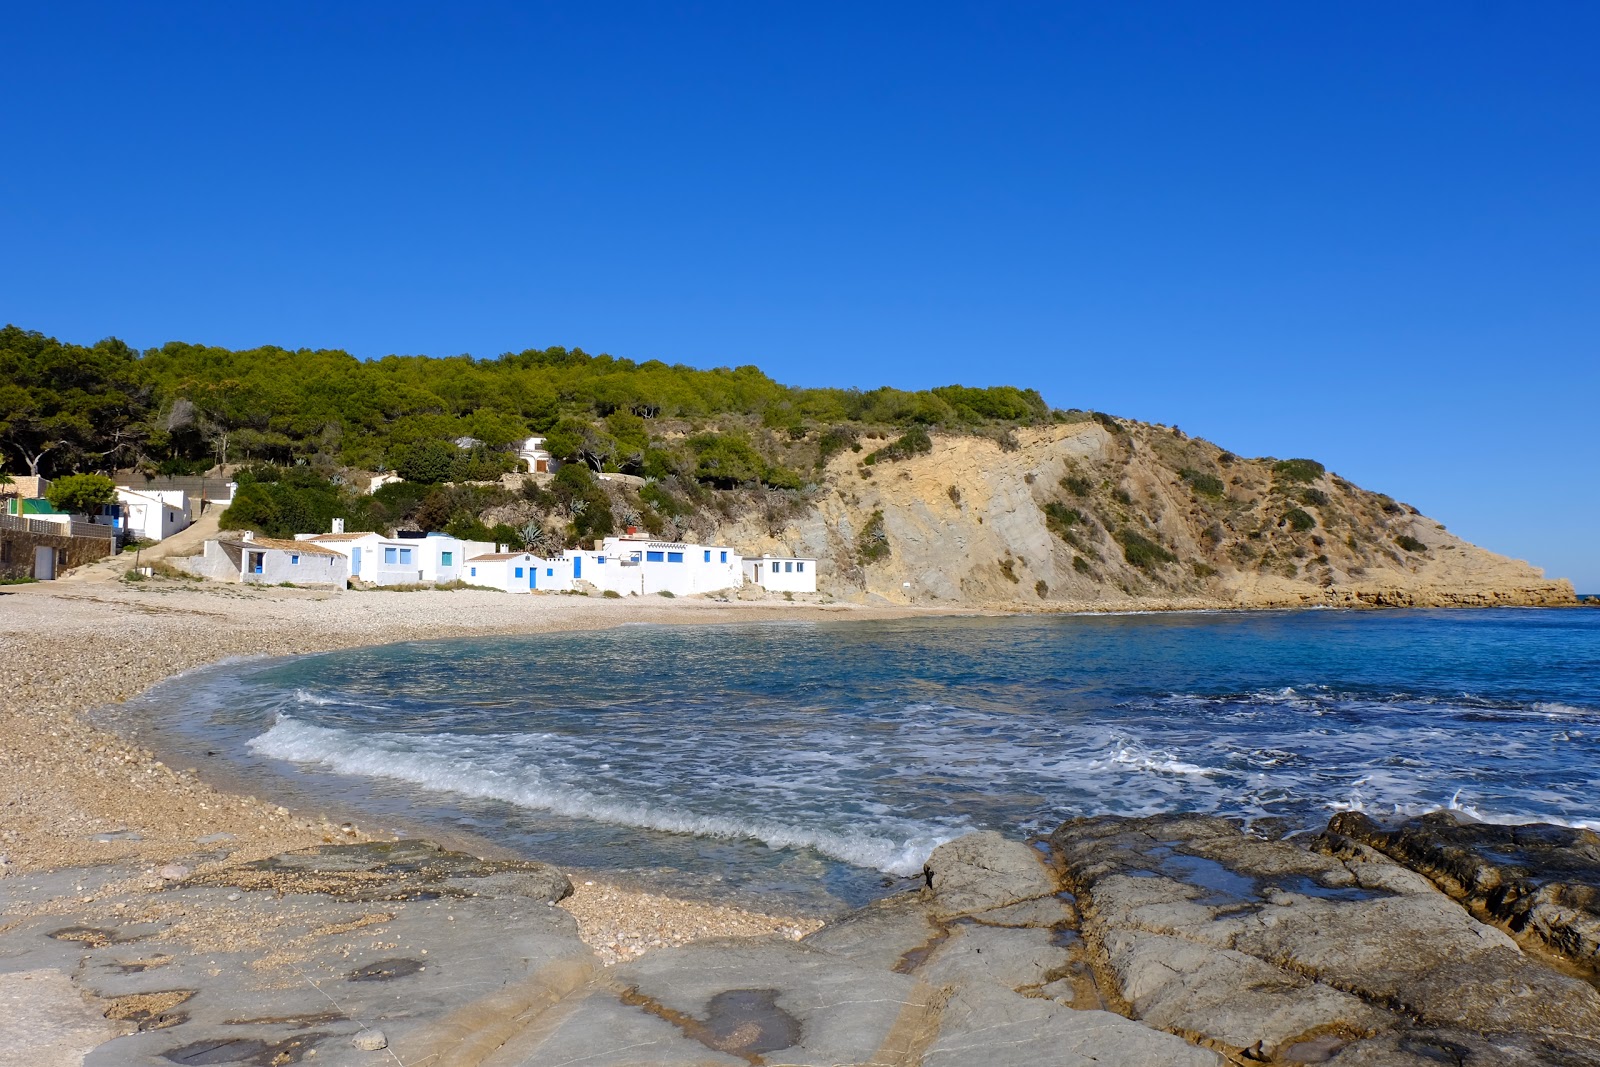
(1364, 233)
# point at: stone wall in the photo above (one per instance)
(16, 551)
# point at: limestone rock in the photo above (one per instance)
(1255, 946)
(983, 871)
(1538, 880)
(370, 1040)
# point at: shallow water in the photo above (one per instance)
(820, 762)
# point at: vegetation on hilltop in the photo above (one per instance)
(711, 444)
(65, 408)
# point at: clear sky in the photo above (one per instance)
(1364, 233)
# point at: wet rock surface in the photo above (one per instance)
(1539, 881)
(1322, 951)
(391, 870)
(1119, 942)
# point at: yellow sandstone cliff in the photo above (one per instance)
(1101, 513)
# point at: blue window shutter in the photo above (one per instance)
(708, 555)
(519, 572)
(474, 572)
(549, 572)
(724, 557)
(294, 559)
(801, 567)
(654, 557)
(674, 557)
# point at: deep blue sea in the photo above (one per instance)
(819, 763)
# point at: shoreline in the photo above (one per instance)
(76, 793)
(72, 763)
(113, 862)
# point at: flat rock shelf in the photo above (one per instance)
(1174, 940)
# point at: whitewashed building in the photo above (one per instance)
(782, 574)
(153, 514)
(537, 458)
(637, 565)
(268, 561)
(380, 560)
(519, 572)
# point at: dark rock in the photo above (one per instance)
(1540, 881)
(1260, 947)
(393, 870)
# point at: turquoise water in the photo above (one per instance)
(821, 762)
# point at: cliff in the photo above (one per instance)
(1104, 513)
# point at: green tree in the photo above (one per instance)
(82, 492)
(426, 462)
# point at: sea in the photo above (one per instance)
(815, 765)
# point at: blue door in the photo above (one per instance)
(577, 567)
(355, 562)
(533, 577)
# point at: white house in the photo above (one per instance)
(268, 561)
(153, 514)
(380, 560)
(636, 565)
(519, 572)
(381, 479)
(533, 453)
(782, 574)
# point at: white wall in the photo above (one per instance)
(155, 514)
(231, 562)
(782, 574)
(537, 575)
(640, 567)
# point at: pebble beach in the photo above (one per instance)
(75, 795)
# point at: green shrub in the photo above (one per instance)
(1060, 518)
(1041, 589)
(1315, 497)
(913, 442)
(1077, 485)
(954, 493)
(1107, 421)
(669, 594)
(1142, 552)
(835, 441)
(1297, 520)
(1203, 570)
(1298, 470)
(1122, 496)
(1410, 544)
(873, 543)
(1080, 565)
(83, 493)
(1008, 567)
(611, 594)
(1203, 483)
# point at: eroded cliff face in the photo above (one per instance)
(1107, 514)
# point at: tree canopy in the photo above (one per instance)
(67, 407)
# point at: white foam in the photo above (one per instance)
(445, 763)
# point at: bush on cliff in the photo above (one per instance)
(1142, 552)
(1298, 470)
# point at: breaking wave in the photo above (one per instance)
(445, 763)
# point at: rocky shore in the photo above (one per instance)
(1171, 940)
(149, 918)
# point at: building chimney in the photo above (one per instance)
(249, 535)
(633, 531)
(338, 526)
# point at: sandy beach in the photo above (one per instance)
(75, 795)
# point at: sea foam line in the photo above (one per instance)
(393, 757)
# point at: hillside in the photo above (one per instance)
(982, 496)
(1084, 514)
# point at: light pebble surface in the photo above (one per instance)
(68, 647)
